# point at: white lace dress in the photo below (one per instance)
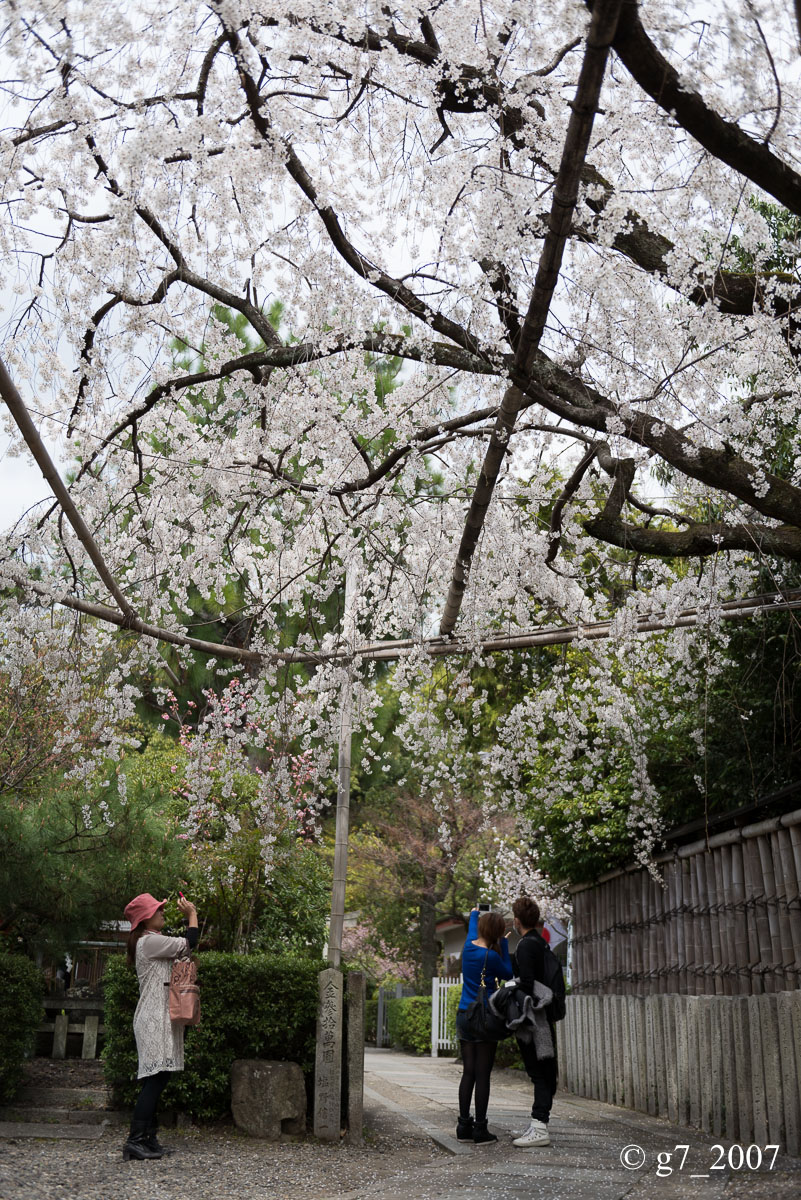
(160, 1044)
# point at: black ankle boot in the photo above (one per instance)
(137, 1145)
(151, 1137)
(464, 1129)
(481, 1135)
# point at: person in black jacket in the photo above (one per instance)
(529, 960)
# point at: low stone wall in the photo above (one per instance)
(730, 1065)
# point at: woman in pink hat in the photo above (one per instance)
(159, 1043)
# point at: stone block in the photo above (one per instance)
(627, 1043)
(568, 1056)
(758, 1095)
(268, 1098)
(743, 1065)
(609, 1062)
(619, 1035)
(791, 1072)
(654, 1053)
(768, 1009)
(694, 1070)
(355, 1055)
(669, 1007)
(705, 1060)
(682, 1061)
(641, 1055)
(717, 1007)
(731, 1126)
(594, 1046)
(328, 1058)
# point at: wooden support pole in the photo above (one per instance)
(60, 1035)
(343, 787)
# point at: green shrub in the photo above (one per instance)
(451, 1006)
(371, 1019)
(508, 1054)
(409, 1023)
(21, 1013)
(253, 1006)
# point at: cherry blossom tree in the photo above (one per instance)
(576, 224)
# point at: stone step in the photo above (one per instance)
(62, 1097)
(49, 1115)
(32, 1129)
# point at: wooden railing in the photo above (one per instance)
(72, 1014)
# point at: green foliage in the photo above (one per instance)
(508, 1054)
(409, 1023)
(62, 877)
(451, 1008)
(783, 233)
(120, 997)
(31, 747)
(253, 1006)
(750, 720)
(21, 1013)
(584, 832)
(224, 872)
(371, 1019)
(295, 904)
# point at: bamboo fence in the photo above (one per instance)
(723, 919)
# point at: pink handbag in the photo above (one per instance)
(184, 993)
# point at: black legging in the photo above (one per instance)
(149, 1095)
(477, 1062)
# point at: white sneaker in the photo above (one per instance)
(535, 1135)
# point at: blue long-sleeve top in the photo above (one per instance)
(499, 966)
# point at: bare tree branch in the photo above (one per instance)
(16, 406)
(358, 262)
(567, 493)
(725, 139)
(719, 468)
(593, 68)
(257, 362)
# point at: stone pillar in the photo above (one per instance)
(379, 1021)
(328, 1059)
(355, 1055)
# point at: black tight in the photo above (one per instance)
(149, 1095)
(477, 1061)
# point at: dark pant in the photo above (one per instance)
(542, 1074)
(149, 1095)
(477, 1062)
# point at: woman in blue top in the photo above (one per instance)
(486, 949)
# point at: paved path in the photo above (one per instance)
(583, 1161)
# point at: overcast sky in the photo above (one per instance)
(21, 483)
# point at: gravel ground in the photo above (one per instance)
(213, 1164)
(398, 1161)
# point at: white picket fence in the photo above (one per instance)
(441, 1038)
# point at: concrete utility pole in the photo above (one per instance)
(343, 786)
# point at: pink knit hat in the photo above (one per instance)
(142, 908)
